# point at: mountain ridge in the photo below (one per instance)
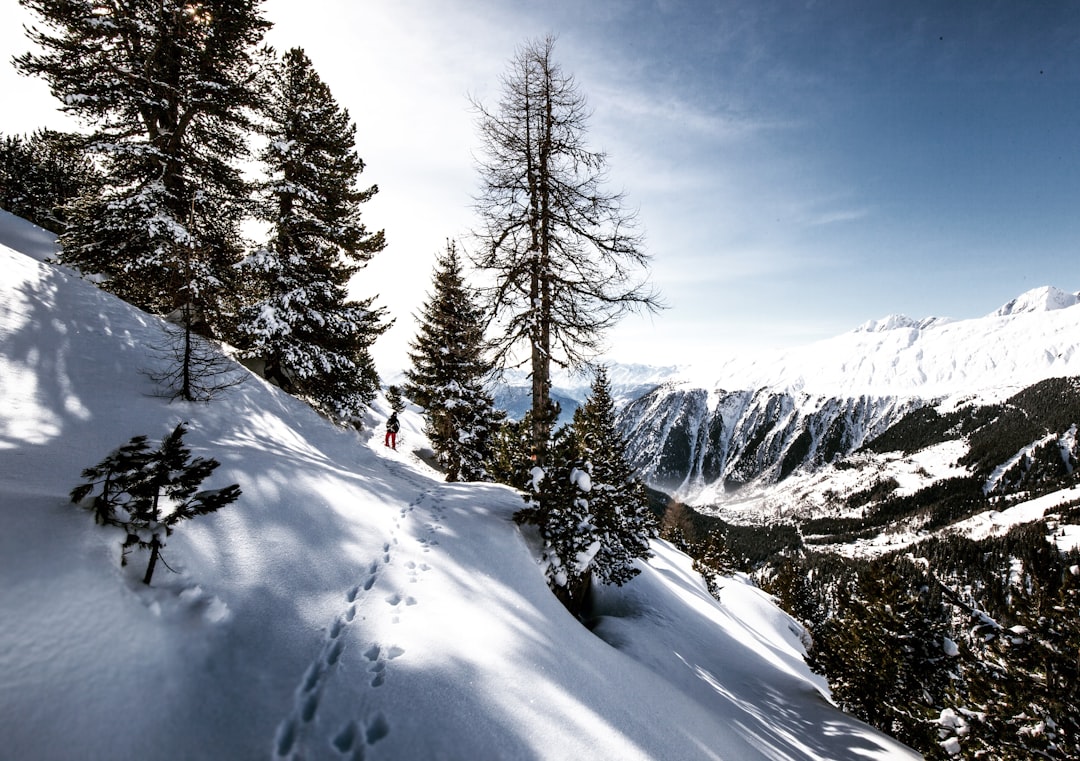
(758, 420)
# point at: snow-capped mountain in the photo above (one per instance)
(760, 419)
(628, 382)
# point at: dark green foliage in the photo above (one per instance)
(395, 399)
(313, 340)
(941, 502)
(166, 88)
(712, 558)
(43, 173)
(557, 503)
(879, 491)
(448, 374)
(1051, 406)
(925, 427)
(593, 516)
(883, 649)
(511, 449)
(972, 642)
(148, 491)
(617, 501)
(748, 546)
(792, 583)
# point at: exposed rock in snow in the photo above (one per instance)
(1044, 299)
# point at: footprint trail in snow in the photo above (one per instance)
(302, 735)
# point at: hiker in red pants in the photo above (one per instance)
(392, 426)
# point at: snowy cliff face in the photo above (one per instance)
(700, 446)
(769, 417)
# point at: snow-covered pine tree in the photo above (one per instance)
(166, 87)
(885, 650)
(314, 340)
(449, 372)
(511, 447)
(557, 503)
(592, 514)
(44, 172)
(712, 559)
(624, 524)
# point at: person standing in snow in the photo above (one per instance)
(392, 426)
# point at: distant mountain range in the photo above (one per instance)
(758, 420)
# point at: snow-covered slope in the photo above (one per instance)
(350, 605)
(1035, 336)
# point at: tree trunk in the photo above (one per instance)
(155, 544)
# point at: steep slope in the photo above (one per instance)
(350, 605)
(763, 419)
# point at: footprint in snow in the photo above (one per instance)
(396, 599)
(352, 738)
(377, 657)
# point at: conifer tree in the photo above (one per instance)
(40, 175)
(395, 399)
(624, 523)
(449, 371)
(884, 651)
(593, 515)
(314, 340)
(147, 492)
(510, 460)
(712, 559)
(165, 87)
(557, 503)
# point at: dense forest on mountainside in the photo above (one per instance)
(958, 646)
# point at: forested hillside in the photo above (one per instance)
(942, 610)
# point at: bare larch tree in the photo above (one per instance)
(566, 256)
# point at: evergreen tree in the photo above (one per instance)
(510, 461)
(448, 374)
(43, 173)
(557, 502)
(314, 341)
(395, 399)
(592, 514)
(885, 652)
(1024, 679)
(620, 508)
(712, 559)
(148, 491)
(165, 86)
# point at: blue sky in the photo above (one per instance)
(798, 168)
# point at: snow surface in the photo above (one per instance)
(350, 605)
(1033, 337)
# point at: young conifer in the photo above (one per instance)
(620, 508)
(147, 492)
(448, 374)
(593, 515)
(41, 174)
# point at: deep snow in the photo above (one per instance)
(1033, 337)
(350, 605)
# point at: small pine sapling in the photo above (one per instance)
(147, 492)
(395, 399)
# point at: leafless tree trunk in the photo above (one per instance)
(566, 256)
